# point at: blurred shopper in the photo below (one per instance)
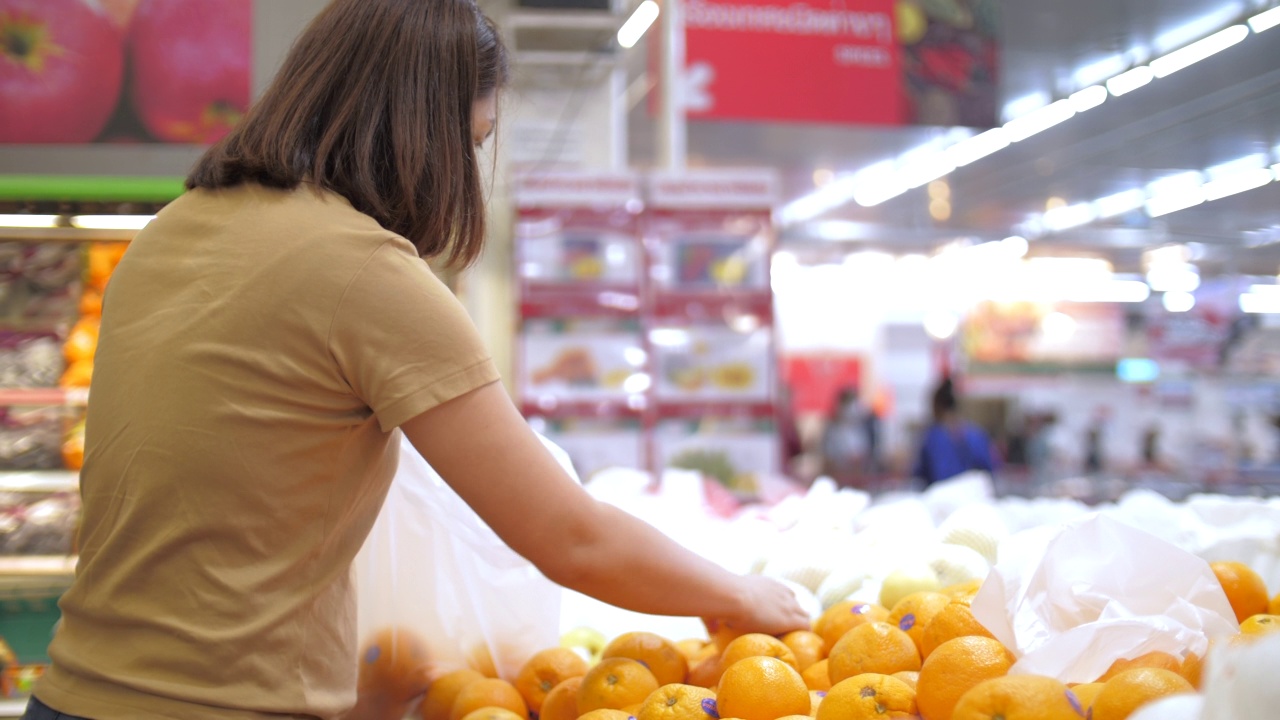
(951, 444)
(1040, 449)
(263, 340)
(1095, 455)
(846, 440)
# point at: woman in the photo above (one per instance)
(952, 445)
(261, 341)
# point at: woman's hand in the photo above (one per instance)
(768, 607)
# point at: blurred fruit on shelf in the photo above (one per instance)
(953, 621)
(61, 72)
(907, 580)
(562, 702)
(913, 613)
(1018, 697)
(487, 693)
(1131, 689)
(807, 646)
(1154, 659)
(589, 640)
(394, 661)
(1262, 624)
(192, 67)
(437, 704)
(1244, 588)
(845, 616)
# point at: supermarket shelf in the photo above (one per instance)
(40, 481)
(38, 566)
(73, 397)
(64, 234)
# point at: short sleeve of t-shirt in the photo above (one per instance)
(403, 341)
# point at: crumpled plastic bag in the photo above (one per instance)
(433, 567)
(1070, 600)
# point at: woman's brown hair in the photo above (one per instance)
(374, 103)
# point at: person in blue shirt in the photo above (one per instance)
(951, 444)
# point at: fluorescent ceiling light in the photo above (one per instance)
(1120, 203)
(926, 170)
(1016, 246)
(1128, 82)
(1223, 14)
(978, 146)
(1224, 170)
(636, 25)
(1171, 278)
(1100, 70)
(111, 222)
(1088, 98)
(1025, 105)
(1254, 303)
(832, 195)
(1266, 20)
(1046, 117)
(1238, 183)
(1178, 302)
(876, 184)
(1197, 51)
(1070, 216)
(1172, 202)
(1264, 289)
(29, 221)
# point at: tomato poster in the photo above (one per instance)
(123, 71)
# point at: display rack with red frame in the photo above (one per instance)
(650, 322)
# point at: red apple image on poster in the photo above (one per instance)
(61, 70)
(192, 67)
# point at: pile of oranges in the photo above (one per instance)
(927, 657)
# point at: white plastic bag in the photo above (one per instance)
(433, 567)
(1070, 600)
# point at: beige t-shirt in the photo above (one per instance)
(258, 349)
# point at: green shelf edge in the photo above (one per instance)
(83, 188)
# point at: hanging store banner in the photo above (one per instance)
(878, 62)
(123, 71)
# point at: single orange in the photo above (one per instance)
(914, 612)
(1018, 697)
(1274, 607)
(816, 676)
(844, 616)
(1260, 625)
(655, 652)
(678, 701)
(806, 645)
(954, 668)
(1153, 659)
(615, 683)
(1192, 669)
(1244, 588)
(605, 714)
(438, 702)
(692, 649)
(1086, 694)
(489, 692)
(493, 713)
(721, 634)
(872, 648)
(394, 661)
(762, 688)
(1131, 689)
(868, 696)
(562, 702)
(759, 645)
(953, 621)
(962, 592)
(706, 673)
(545, 670)
(910, 677)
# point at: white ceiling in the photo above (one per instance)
(1221, 109)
